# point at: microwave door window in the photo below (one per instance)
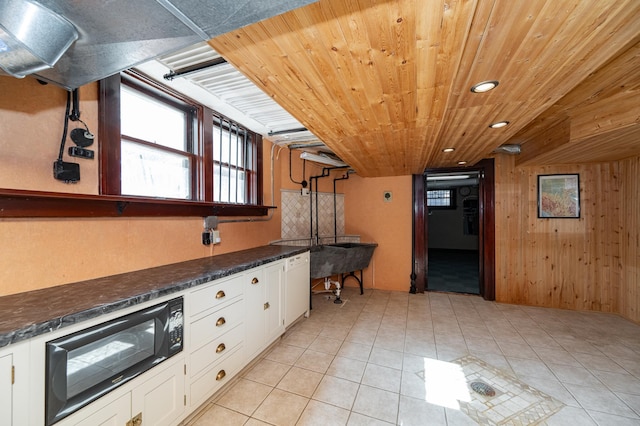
(105, 358)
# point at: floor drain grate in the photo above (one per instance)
(510, 401)
(483, 389)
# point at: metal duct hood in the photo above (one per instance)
(118, 34)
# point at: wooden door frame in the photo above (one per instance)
(486, 246)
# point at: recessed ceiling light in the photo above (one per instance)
(462, 163)
(448, 150)
(484, 86)
(498, 124)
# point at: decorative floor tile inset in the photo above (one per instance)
(495, 398)
(513, 402)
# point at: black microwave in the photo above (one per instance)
(86, 365)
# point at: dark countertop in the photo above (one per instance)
(30, 314)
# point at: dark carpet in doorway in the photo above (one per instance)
(453, 271)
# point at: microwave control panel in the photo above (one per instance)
(176, 326)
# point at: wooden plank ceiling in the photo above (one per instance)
(386, 84)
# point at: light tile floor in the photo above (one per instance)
(390, 358)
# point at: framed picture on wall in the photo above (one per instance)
(559, 196)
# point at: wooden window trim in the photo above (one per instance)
(20, 203)
(16, 203)
(110, 132)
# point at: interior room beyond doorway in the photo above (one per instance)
(453, 262)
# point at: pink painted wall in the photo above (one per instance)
(39, 253)
(386, 223)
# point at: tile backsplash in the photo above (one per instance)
(296, 214)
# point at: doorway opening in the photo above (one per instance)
(454, 230)
(453, 255)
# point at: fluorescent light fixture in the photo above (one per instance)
(32, 37)
(322, 159)
(499, 124)
(484, 86)
(448, 177)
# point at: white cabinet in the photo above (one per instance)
(111, 413)
(160, 399)
(155, 398)
(6, 389)
(215, 335)
(263, 297)
(228, 322)
(274, 302)
(254, 323)
(213, 378)
(297, 287)
(14, 384)
(214, 295)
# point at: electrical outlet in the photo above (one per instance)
(75, 151)
(206, 238)
(215, 236)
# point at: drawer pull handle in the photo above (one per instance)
(221, 321)
(135, 421)
(220, 375)
(221, 347)
(220, 294)
(255, 280)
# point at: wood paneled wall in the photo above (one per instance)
(563, 263)
(629, 300)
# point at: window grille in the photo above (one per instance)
(441, 198)
(234, 162)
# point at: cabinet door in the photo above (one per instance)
(6, 391)
(255, 327)
(274, 298)
(113, 413)
(296, 288)
(161, 398)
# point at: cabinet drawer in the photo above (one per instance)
(216, 350)
(216, 377)
(215, 324)
(215, 295)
